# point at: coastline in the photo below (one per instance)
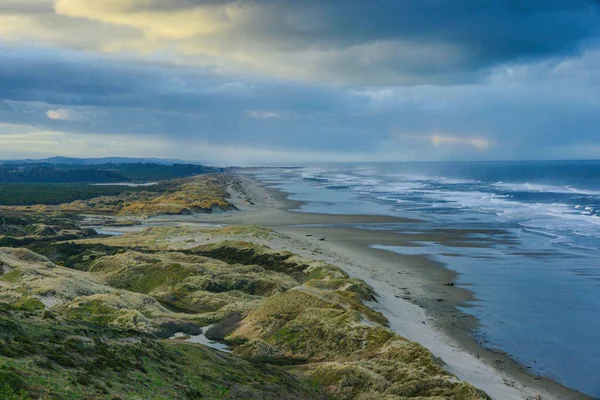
(408, 287)
(352, 303)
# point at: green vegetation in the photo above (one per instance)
(90, 340)
(153, 172)
(210, 288)
(13, 194)
(86, 317)
(45, 355)
(199, 194)
(37, 234)
(8, 393)
(93, 330)
(44, 183)
(140, 172)
(71, 255)
(278, 261)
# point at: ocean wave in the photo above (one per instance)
(547, 209)
(531, 187)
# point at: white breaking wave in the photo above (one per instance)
(529, 187)
(501, 199)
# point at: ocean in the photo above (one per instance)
(536, 285)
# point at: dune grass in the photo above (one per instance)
(94, 326)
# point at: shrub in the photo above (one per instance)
(8, 393)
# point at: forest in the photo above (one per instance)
(98, 173)
(46, 183)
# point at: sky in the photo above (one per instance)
(250, 82)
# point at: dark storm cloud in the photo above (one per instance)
(69, 78)
(373, 42)
(482, 33)
(178, 103)
(491, 30)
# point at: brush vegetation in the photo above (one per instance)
(280, 312)
(46, 172)
(199, 194)
(66, 335)
(47, 355)
(17, 194)
(88, 317)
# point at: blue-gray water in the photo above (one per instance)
(537, 289)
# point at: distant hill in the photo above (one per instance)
(60, 172)
(96, 161)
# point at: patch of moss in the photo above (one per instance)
(191, 283)
(72, 255)
(12, 276)
(142, 273)
(8, 393)
(251, 231)
(241, 252)
(291, 321)
(356, 286)
(78, 294)
(71, 359)
(27, 303)
(96, 311)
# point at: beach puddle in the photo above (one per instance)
(201, 339)
(129, 184)
(108, 232)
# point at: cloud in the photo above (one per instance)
(261, 81)
(340, 41)
(31, 142)
(263, 114)
(150, 17)
(531, 111)
(445, 141)
(65, 114)
(24, 141)
(479, 143)
(60, 114)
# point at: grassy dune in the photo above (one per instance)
(199, 194)
(50, 356)
(85, 317)
(291, 315)
(66, 335)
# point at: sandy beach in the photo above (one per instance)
(413, 292)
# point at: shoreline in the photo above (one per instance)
(408, 288)
(411, 289)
